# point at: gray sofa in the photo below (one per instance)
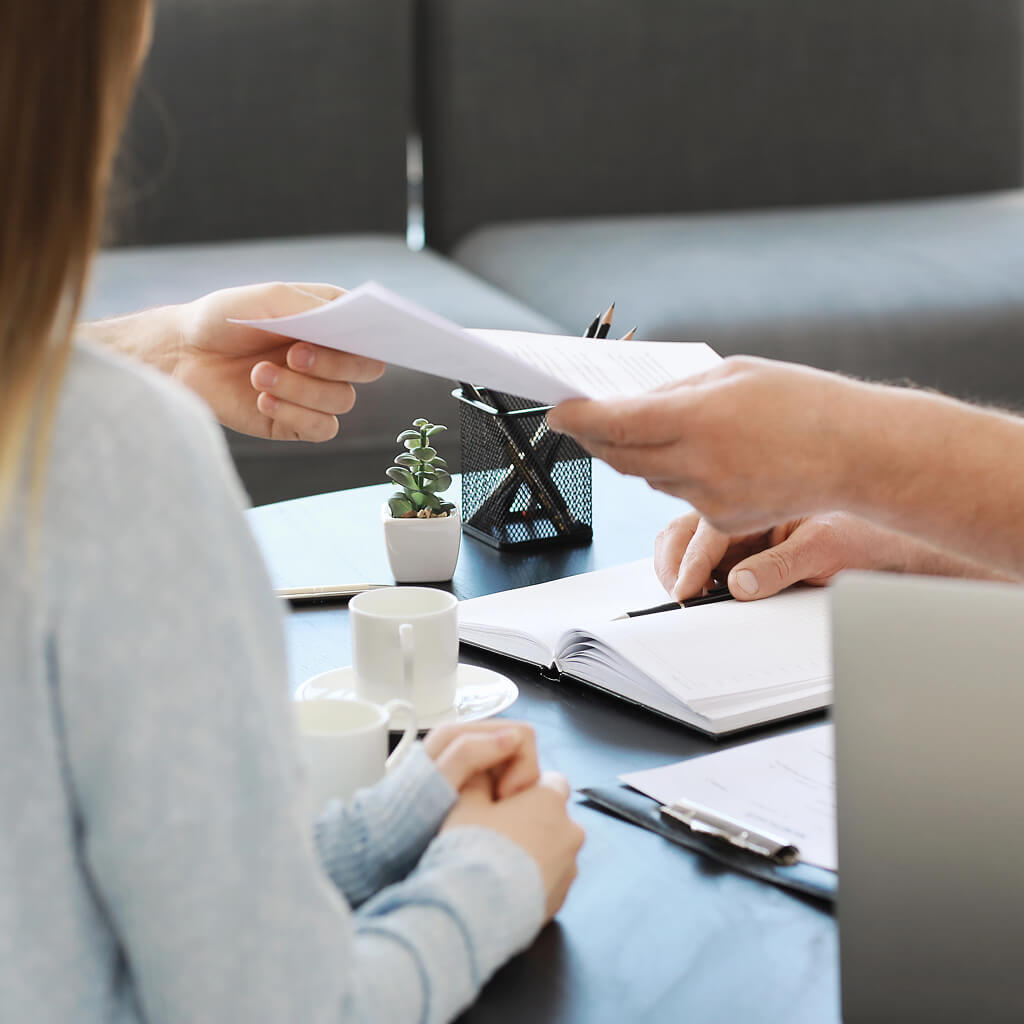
(834, 183)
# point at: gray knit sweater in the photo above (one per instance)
(157, 860)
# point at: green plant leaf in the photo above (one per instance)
(402, 477)
(439, 463)
(421, 422)
(405, 459)
(400, 506)
(441, 482)
(412, 442)
(424, 454)
(418, 498)
(405, 435)
(432, 501)
(435, 429)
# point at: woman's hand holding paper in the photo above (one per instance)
(256, 383)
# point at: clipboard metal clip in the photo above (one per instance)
(700, 819)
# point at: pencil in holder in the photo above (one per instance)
(523, 485)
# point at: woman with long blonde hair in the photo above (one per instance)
(157, 862)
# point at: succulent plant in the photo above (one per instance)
(420, 473)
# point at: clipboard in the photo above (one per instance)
(633, 806)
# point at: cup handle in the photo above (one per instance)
(408, 737)
(405, 643)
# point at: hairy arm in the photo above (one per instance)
(950, 474)
(753, 443)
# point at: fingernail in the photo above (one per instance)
(266, 376)
(303, 357)
(747, 582)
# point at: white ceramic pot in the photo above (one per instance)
(422, 550)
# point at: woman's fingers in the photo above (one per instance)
(516, 771)
(334, 397)
(290, 422)
(330, 365)
(523, 770)
(471, 753)
(558, 782)
(303, 404)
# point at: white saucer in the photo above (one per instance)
(479, 693)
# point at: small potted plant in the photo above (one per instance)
(422, 531)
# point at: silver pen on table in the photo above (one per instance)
(301, 595)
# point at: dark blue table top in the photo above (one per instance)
(651, 931)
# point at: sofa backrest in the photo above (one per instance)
(545, 108)
(268, 118)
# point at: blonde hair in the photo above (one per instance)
(66, 73)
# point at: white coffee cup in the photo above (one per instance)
(405, 644)
(345, 743)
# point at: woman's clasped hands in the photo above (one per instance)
(494, 769)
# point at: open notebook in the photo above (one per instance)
(717, 667)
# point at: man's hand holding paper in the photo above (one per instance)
(732, 440)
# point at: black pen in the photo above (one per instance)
(711, 597)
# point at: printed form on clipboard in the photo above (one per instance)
(781, 788)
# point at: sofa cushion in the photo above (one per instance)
(537, 109)
(261, 119)
(137, 278)
(930, 290)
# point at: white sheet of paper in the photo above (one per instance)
(372, 321)
(784, 785)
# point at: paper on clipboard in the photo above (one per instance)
(784, 785)
(373, 321)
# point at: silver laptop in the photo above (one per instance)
(929, 711)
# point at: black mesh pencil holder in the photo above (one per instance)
(523, 485)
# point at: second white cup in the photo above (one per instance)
(405, 645)
(345, 743)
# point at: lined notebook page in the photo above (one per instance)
(545, 611)
(726, 653)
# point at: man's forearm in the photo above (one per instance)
(946, 472)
